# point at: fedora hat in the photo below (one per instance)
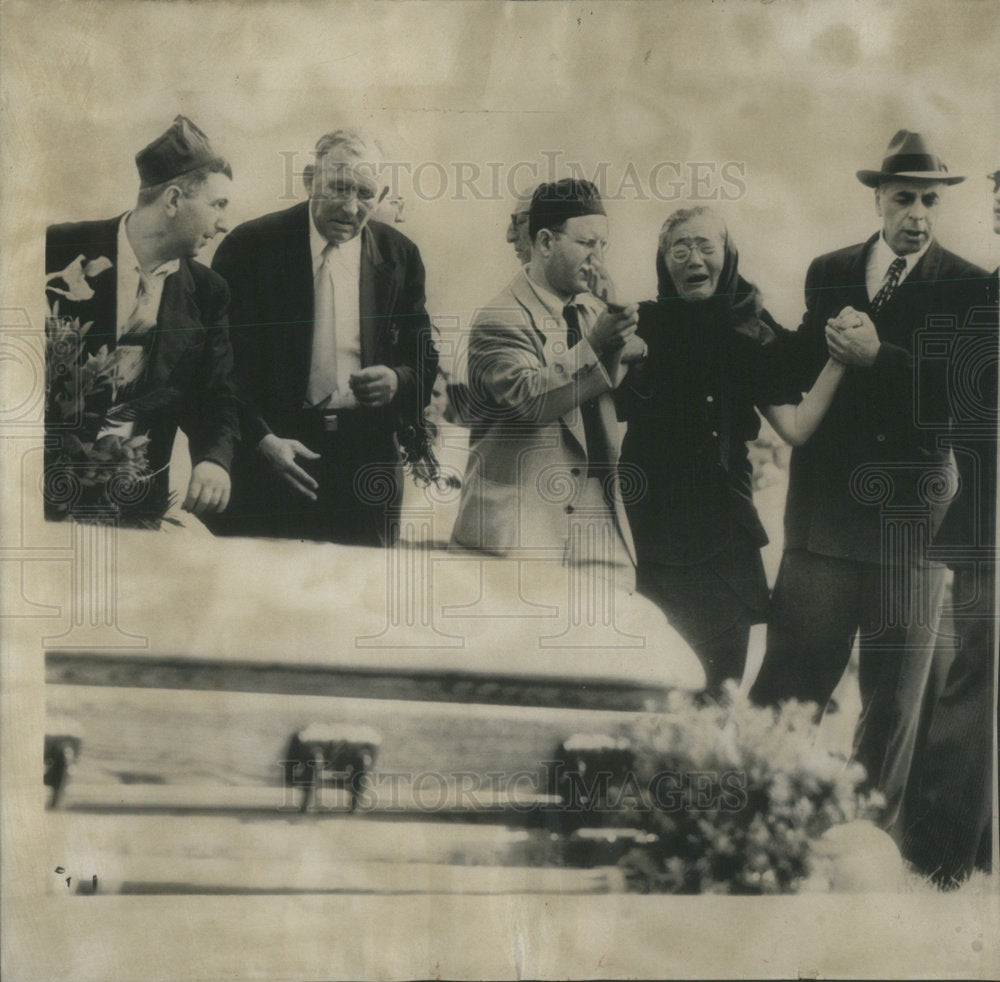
(908, 156)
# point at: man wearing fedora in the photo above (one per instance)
(949, 816)
(161, 316)
(867, 491)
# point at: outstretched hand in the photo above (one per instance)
(281, 454)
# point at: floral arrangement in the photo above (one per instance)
(90, 473)
(750, 796)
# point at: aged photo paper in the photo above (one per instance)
(182, 664)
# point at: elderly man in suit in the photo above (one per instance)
(162, 316)
(949, 817)
(544, 357)
(849, 566)
(334, 355)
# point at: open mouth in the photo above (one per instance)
(696, 279)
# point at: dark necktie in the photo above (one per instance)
(597, 450)
(889, 286)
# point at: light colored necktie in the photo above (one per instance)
(889, 286)
(132, 345)
(143, 316)
(323, 366)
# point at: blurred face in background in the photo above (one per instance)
(694, 255)
(517, 231)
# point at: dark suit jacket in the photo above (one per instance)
(268, 265)
(886, 430)
(190, 349)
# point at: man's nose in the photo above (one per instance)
(350, 205)
(511, 232)
(222, 224)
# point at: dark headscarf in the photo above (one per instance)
(736, 303)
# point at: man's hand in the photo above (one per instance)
(635, 350)
(208, 489)
(851, 338)
(281, 455)
(375, 386)
(600, 283)
(613, 329)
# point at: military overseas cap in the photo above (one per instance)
(182, 149)
(908, 156)
(556, 202)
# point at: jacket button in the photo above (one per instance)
(880, 438)
(709, 399)
(558, 369)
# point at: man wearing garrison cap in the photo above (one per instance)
(163, 316)
(868, 490)
(544, 357)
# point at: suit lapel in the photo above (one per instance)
(541, 318)
(175, 325)
(297, 291)
(857, 273)
(375, 298)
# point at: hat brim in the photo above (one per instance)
(872, 178)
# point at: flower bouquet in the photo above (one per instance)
(735, 798)
(91, 471)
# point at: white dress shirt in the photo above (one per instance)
(131, 358)
(345, 269)
(881, 258)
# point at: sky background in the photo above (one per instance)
(789, 97)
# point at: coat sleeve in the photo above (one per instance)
(798, 357)
(235, 262)
(211, 416)
(510, 382)
(416, 356)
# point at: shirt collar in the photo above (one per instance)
(555, 306)
(127, 258)
(350, 251)
(884, 256)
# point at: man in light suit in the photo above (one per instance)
(544, 357)
(849, 566)
(333, 353)
(163, 316)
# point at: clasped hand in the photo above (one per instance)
(851, 338)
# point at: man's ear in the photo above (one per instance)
(307, 178)
(878, 201)
(171, 199)
(542, 241)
